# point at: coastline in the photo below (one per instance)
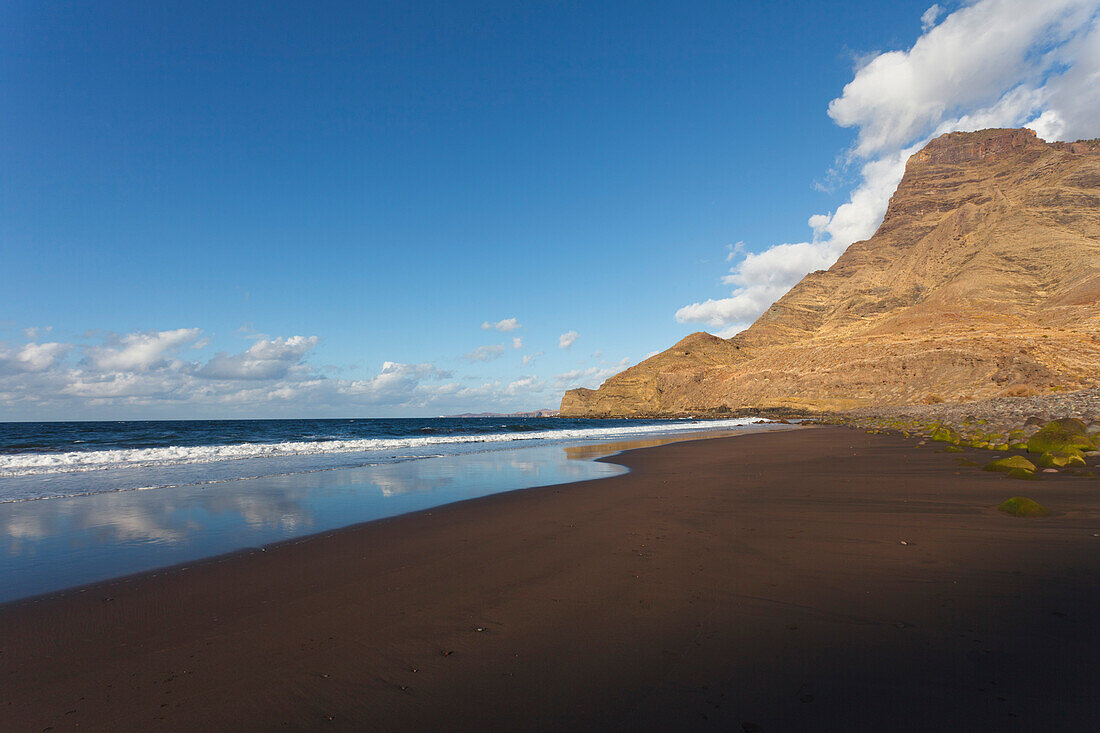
(824, 579)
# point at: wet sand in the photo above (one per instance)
(820, 579)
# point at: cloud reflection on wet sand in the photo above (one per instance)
(55, 543)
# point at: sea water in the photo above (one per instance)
(86, 501)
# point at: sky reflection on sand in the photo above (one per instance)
(62, 542)
(58, 543)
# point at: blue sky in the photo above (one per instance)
(265, 209)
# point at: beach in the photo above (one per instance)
(815, 579)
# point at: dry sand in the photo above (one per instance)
(816, 580)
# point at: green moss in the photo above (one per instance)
(952, 449)
(1070, 424)
(1007, 464)
(1021, 506)
(1060, 459)
(1021, 473)
(1017, 446)
(1000, 446)
(1064, 435)
(944, 434)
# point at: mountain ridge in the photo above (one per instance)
(983, 279)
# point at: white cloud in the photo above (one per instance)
(265, 359)
(141, 351)
(566, 339)
(928, 20)
(734, 250)
(508, 324)
(33, 332)
(138, 375)
(524, 385)
(530, 358)
(591, 377)
(991, 63)
(517, 342)
(485, 353)
(31, 357)
(969, 62)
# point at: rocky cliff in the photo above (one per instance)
(983, 280)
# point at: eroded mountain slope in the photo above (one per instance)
(983, 279)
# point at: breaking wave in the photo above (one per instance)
(41, 464)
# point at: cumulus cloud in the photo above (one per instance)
(265, 359)
(591, 377)
(566, 339)
(530, 358)
(517, 342)
(485, 353)
(132, 374)
(508, 324)
(141, 351)
(985, 54)
(991, 63)
(32, 357)
(525, 385)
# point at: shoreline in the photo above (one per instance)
(88, 539)
(663, 597)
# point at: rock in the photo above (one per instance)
(1093, 429)
(1065, 435)
(1060, 459)
(1007, 464)
(1034, 420)
(1021, 473)
(1070, 425)
(944, 434)
(1021, 506)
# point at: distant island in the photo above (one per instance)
(533, 413)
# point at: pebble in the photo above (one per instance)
(1002, 413)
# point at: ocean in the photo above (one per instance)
(87, 501)
(57, 459)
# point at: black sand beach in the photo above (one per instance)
(816, 580)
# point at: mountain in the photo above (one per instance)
(983, 280)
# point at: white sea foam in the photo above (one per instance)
(34, 464)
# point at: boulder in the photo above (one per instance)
(1021, 506)
(1065, 435)
(1008, 464)
(1060, 459)
(944, 434)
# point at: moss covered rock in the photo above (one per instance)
(944, 434)
(1065, 435)
(1022, 473)
(1069, 424)
(1060, 459)
(1021, 506)
(1007, 464)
